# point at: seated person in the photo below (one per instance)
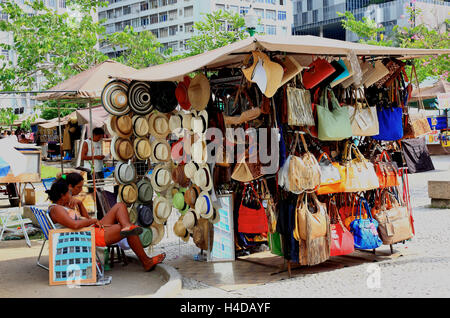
(111, 229)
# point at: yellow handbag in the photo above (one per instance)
(316, 222)
(360, 174)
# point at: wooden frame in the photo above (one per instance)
(66, 261)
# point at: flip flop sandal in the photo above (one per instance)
(134, 230)
(159, 258)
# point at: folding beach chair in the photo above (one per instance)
(48, 182)
(5, 219)
(46, 224)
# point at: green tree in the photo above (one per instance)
(7, 116)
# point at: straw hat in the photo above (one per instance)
(121, 149)
(140, 126)
(204, 206)
(160, 150)
(199, 122)
(142, 148)
(158, 124)
(164, 99)
(139, 98)
(160, 178)
(161, 209)
(179, 177)
(190, 219)
(128, 193)
(202, 178)
(178, 201)
(203, 235)
(199, 92)
(190, 169)
(180, 230)
(179, 123)
(124, 173)
(120, 126)
(215, 218)
(178, 152)
(191, 195)
(265, 73)
(145, 190)
(146, 237)
(199, 151)
(158, 233)
(144, 215)
(132, 214)
(181, 93)
(115, 98)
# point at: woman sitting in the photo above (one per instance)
(111, 229)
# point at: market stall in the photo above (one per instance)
(290, 141)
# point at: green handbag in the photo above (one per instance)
(275, 245)
(334, 124)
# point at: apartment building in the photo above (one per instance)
(172, 21)
(320, 18)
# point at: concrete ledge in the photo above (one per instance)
(173, 285)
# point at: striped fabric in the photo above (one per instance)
(44, 220)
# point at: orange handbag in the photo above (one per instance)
(330, 182)
(386, 171)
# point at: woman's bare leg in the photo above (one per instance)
(117, 214)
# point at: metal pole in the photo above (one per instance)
(60, 141)
(92, 154)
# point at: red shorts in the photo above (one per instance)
(100, 237)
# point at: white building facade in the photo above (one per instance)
(172, 21)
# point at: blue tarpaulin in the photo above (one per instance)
(4, 168)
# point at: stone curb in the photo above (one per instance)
(173, 285)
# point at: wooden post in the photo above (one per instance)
(60, 140)
(92, 162)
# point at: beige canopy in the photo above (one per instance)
(429, 92)
(301, 47)
(99, 116)
(88, 84)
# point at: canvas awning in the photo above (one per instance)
(301, 47)
(99, 116)
(55, 123)
(429, 92)
(88, 84)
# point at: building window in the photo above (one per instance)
(62, 3)
(260, 13)
(234, 9)
(271, 15)
(173, 30)
(162, 3)
(163, 17)
(315, 16)
(144, 6)
(305, 18)
(153, 4)
(309, 5)
(126, 10)
(260, 28)
(271, 29)
(220, 7)
(189, 27)
(173, 15)
(244, 10)
(188, 12)
(282, 15)
(153, 19)
(163, 33)
(144, 21)
(270, 1)
(172, 1)
(52, 3)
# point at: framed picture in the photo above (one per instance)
(223, 244)
(72, 256)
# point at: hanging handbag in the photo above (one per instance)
(311, 174)
(334, 124)
(390, 119)
(275, 243)
(332, 175)
(310, 225)
(363, 118)
(250, 220)
(359, 174)
(365, 231)
(341, 238)
(299, 107)
(416, 124)
(378, 72)
(395, 222)
(386, 170)
(269, 205)
(316, 72)
(348, 72)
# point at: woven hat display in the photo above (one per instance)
(161, 209)
(178, 201)
(181, 93)
(180, 230)
(215, 218)
(199, 92)
(179, 177)
(114, 98)
(179, 123)
(125, 173)
(144, 215)
(128, 193)
(160, 178)
(164, 99)
(158, 125)
(142, 148)
(158, 233)
(160, 150)
(139, 98)
(199, 151)
(140, 126)
(202, 178)
(199, 122)
(145, 190)
(191, 195)
(178, 152)
(146, 237)
(121, 149)
(203, 235)
(203, 205)
(120, 126)
(190, 169)
(190, 219)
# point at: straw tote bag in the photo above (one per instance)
(395, 223)
(299, 107)
(334, 124)
(363, 118)
(360, 174)
(318, 222)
